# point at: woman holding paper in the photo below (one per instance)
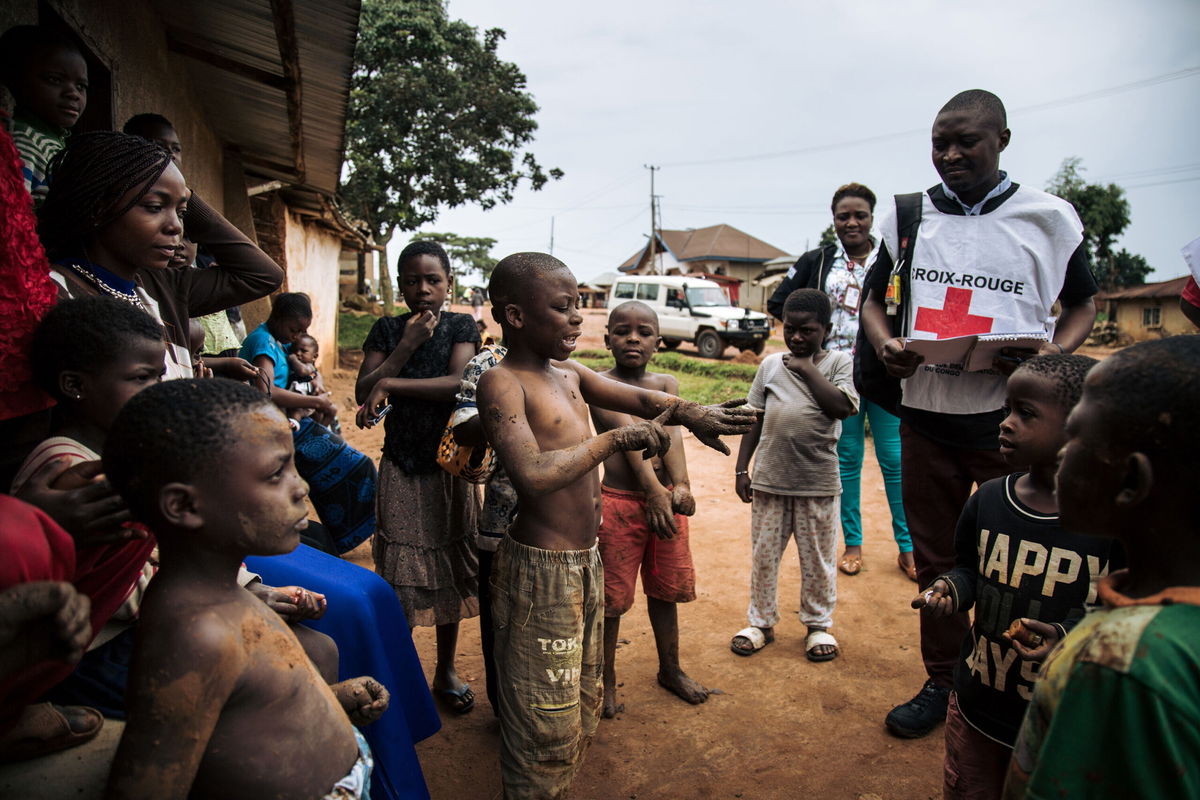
(838, 269)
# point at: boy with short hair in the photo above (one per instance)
(223, 702)
(1028, 580)
(156, 128)
(646, 503)
(1117, 710)
(48, 78)
(804, 395)
(547, 579)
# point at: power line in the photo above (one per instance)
(1149, 173)
(1070, 100)
(1161, 183)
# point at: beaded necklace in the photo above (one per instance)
(130, 297)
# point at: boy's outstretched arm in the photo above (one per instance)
(535, 472)
(708, 423)
(178, 685)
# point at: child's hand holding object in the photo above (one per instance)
(936, 599)
(1033, 640)
(364, 699)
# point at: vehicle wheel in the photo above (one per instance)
(758, 347)
(710, 345)
(671, 344)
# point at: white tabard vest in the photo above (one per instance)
(998, 272)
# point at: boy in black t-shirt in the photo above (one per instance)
(1015, 565)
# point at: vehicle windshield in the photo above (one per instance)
(699, 296)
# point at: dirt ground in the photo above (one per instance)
(782, 726)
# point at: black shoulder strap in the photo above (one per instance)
(908, 220)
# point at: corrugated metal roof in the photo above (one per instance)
(717, 242)
(1171, 288)
(249, 108)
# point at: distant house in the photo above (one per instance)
(1150, 311)
(732, 257)
(593, 293)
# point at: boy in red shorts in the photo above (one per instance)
(644, 519)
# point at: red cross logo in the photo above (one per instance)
(954, 319)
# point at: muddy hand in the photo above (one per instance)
(682, 501)
(648, 435)
(659, 517)
(364, 699)
(709, 423)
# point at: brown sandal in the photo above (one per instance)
(908, 569)
(851, 564)
(44, 729)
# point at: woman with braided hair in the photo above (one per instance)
(113, 218)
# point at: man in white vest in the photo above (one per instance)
(990, 256)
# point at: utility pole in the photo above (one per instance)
(552, 236)
(653, 220)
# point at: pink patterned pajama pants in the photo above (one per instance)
(774, 519)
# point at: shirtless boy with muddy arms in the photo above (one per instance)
(223, 702)
(644, 522)
(547, 581)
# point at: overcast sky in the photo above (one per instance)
(757, 111)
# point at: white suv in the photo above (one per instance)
(695, 310)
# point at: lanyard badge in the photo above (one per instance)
(893, 299)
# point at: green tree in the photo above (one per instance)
(467, 254)
(828, 236)
(435, 120)
(1105, 214)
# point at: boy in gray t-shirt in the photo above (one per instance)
(805, 394)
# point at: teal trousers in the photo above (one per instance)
(885, 432)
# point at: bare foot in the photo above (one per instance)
(684, 687)
(611, 707)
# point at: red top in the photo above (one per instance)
(26, 291)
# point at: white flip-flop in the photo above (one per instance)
(758, 640)
(816, 639)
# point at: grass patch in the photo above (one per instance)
(701, 381)
(353, 328)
